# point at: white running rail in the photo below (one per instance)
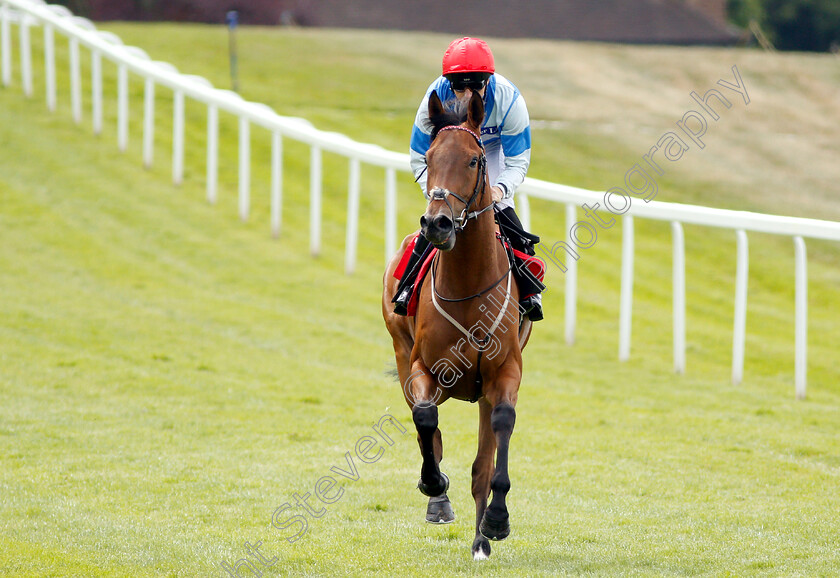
(81, 32)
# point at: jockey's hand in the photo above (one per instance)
(497, 193)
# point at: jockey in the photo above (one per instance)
(468, 67)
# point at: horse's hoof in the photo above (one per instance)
(494, 526)
(481, 549)
(434, 491)
(439, 511)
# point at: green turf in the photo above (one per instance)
(170, 376)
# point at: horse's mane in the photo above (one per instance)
(454, 113)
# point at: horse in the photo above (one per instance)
(468, 286)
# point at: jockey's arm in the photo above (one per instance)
(516, 146)
(421, 140)
(418, 167)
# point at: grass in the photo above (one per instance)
(170, 376)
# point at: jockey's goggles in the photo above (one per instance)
(473, 81)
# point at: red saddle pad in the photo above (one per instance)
(424, 269)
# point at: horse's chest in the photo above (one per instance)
(458, 363)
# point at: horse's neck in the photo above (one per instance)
(475, 262)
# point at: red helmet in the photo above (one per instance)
(468, 55)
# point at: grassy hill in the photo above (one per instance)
(170, 376)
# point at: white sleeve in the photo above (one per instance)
(420, 141)
(516, 145)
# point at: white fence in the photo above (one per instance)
(81, 32)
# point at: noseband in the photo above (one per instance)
(441, 194)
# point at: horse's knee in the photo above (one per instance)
(503, 418)
(425, 416)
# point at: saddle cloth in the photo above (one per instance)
(529, 271)
(424, 268)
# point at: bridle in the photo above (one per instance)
(441, 194)
(438, 193)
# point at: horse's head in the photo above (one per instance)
(456, 181)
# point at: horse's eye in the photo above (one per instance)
(474, 161)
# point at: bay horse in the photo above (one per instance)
(469, 286)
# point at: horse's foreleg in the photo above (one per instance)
(432, 482)
(439, 509)
(494, 525)
(482, 470)
(422, 390)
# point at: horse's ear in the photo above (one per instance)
(435, 105)
(475, 110)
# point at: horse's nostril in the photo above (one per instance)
(443, 223)
(423, 221)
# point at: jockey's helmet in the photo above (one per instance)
(468, 55)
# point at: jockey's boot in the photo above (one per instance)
(406, 285)
(529, 286)
(532, 305)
